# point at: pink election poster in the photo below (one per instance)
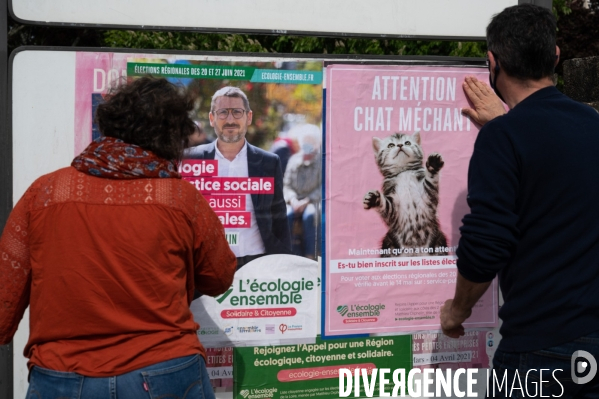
(396, 163)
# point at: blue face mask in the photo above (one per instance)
(491, 82)
(308, 148)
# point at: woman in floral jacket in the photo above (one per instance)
(107, 254)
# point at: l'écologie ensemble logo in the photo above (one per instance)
(360, 310)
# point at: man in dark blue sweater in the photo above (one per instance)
(534, 217)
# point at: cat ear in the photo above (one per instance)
(417, 137)
(376, 144)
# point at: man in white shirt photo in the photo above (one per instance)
(268, 232)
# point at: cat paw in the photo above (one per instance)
(372, 199)
(434, 163)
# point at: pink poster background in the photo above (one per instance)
(351, 172)
(94, 73)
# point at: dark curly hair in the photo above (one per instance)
(151, 113)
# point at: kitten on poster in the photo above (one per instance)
(409, 198)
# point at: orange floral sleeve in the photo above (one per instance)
(15, 268)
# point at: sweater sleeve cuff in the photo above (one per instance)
(474, 275)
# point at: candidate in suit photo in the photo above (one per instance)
(268, 233)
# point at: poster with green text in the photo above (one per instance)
(312, 370)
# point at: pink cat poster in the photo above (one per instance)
(397, 154)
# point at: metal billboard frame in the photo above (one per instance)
(6, 134)
(543, 3)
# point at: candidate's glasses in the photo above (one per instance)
(223, 113)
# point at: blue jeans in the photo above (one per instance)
(181, 378)
(529, 368)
